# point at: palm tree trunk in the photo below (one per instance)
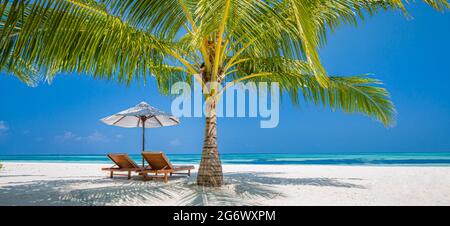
(210, 173)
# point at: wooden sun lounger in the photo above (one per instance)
(159, 164)
(123, 163)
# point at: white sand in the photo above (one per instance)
(85, 184)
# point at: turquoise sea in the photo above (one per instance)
(427, 159)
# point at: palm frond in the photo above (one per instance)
(165, 18)
(352, 94)
(74, 36)
(167, 75)
(174, 39)
(26, 73)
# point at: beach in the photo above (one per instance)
(83, 184)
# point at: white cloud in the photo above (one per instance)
(3, 127)
(119, 136)
(175, 142)
(67, 136)
(97, 137)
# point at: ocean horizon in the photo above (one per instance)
(390, 159)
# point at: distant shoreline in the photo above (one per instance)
(262, 153)
(364, 159)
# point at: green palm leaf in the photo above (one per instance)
(74, 36)
(175, 39)
(351, 94)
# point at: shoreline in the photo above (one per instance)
(319, 159)
(25, 183)
(104, 164)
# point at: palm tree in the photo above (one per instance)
(206, 41)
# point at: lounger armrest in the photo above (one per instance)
(123, 170)
(183, 167)
(110, 168)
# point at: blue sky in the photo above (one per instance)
(409, 55)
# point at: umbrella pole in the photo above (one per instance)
(143, 139)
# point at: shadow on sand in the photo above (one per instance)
(240, 189)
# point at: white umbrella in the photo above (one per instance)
(141, 116)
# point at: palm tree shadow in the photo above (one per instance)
(269, 179)
(240, 189)
(19, 176)
(254, 189)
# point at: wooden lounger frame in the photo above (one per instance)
(159, 164)
(125, 165)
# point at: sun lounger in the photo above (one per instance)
(123, 163)
(159, 164)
